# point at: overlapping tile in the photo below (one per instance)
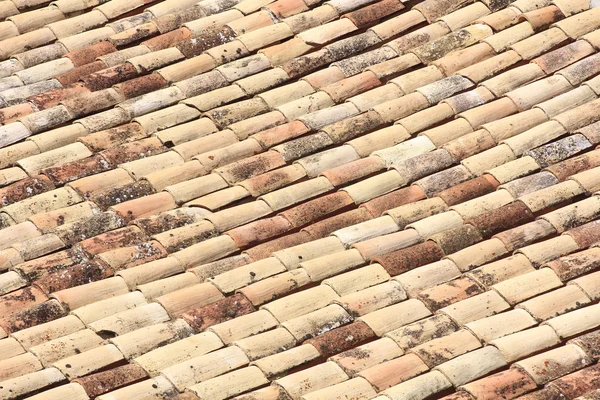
(299, 200)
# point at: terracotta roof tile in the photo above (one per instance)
(102, 382)
(218, 312)
(88, 54)
(389, 180)
(412, 257)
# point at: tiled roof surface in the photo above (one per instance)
(293, 199)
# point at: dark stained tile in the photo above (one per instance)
(127, 236)
(35, 315)
(110, 76)
(343, 338)
(142, 85)
(220, 311)
(74, 170)
(112, 379)
(74, 75)
(316, 209)
(75, 275)
(264, 250)
(412, 257)
(23, 189)
(501, 219)
(327, 226)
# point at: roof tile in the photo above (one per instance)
(217, 312)
(503, 385)
(412, 257)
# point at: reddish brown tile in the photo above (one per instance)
(315, 209)
(77, 73)
(142, 85)
(562, 57)
(106, 381)
(542, 18)
(373, 12)
(35, 315)
(77, 169)
(115, 195)
(127, 236)
(174, 20)
(38, 267)
(273, 180)
(279, 134)
(20, 300)
(393, 372)
(75, 275)
(327, 226)
(578, 383)
(194, 46)
(258, 231)
(286, 8)
(571, 166)
(51, 98)
(501, 219)
(585, 235)
(354, 170)
(343, 338)
(504, 385)
(264, 250)
(547, 393)
(92, 102)
(133, 151)
(469, 190)
(110, 76)
(525, 234)
(573, 265)
(23, 189)
(346, 88)
(400, 261)
(168, 39)
(89, 54)
(381, 204)
(220, 311)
